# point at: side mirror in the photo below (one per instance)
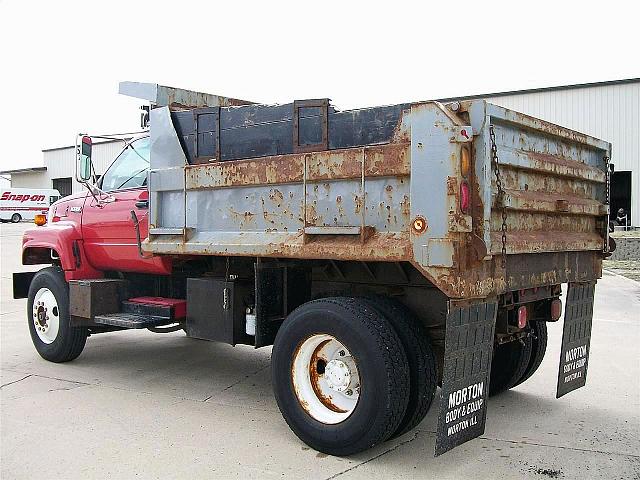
(84, 160)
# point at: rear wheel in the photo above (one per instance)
(340, 375)
(420, 356)
(510, 361)
(538, 349)
(48, 316)
(16, 217)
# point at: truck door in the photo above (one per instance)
(107, 227)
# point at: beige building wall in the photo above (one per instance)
(30, 180)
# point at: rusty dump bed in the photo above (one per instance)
(371, 191)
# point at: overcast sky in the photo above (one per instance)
(62, 60)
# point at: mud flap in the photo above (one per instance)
(576, 336)
(467, 366)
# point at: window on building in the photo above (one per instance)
(621, 196)
(63, 185)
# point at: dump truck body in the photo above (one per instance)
(343, 200)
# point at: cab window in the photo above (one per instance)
(129, 170)
(53, 199)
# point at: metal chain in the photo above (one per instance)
(500, 195)
(608, 181)
(607, 201)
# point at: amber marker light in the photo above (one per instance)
(419, 224)
(465, 161)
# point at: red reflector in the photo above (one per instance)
(522, 317)
(86, 140)
(556, 309)
(465, 197)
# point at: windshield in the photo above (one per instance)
(129, 170)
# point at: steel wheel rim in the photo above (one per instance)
(325, 379)
(46, 315)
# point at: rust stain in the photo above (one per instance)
(564, 166)
(276, 196)
(547, 241)
(381, 160)
(315, 378)
(458, 221)
(312, 215)
(452, 186)
(405, 206)
(242, 217)
(357, 200)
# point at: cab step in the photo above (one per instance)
(132, 320)
(145, 312)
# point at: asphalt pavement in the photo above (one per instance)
(144, 405)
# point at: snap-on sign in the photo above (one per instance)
(22, 198)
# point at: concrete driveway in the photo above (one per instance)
(137, 404)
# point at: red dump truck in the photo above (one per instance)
(383, 252)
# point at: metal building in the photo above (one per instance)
(59, 167)
(606, 110)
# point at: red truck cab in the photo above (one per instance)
(91, 234)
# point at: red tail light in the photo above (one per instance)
(465, 197)
(522, 317)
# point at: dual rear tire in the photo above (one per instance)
(514, 362)
(350, 373)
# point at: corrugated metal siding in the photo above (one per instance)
(609, 112)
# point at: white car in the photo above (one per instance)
(18, 204)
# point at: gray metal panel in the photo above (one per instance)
(166, 150)
(387, 204)
(166, 175)
(433, 159)
(246, 209)
(164, 96)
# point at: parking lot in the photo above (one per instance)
(137, 404)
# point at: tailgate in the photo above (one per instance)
(554, 182)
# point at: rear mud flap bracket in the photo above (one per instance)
(468, 351)
(576, 337)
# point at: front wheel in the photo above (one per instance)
(340, 375)
(48, 316)
(15, 218)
